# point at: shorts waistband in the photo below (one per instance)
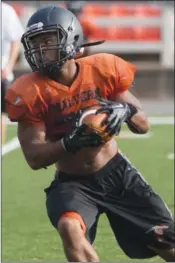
(111, 164)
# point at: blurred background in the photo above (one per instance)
(141, 32)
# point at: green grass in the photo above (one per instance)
(27, 235)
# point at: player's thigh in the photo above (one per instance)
(129, 236)
(66, 197)
(135, 212)
(131, 231)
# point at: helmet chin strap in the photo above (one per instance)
(93, 43)
(79, 52)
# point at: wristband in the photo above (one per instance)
(133, 110)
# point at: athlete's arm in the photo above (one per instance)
(123, 107)
(138, 123)
(127, 107)
(40, 153)
(135, 116)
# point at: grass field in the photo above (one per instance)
(27, 235)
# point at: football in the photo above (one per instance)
(94, 121)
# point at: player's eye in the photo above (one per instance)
(33, 44)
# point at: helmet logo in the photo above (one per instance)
(38, 25)
(71, 27)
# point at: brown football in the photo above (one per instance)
(94, 121)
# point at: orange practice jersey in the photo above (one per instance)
(39, 100)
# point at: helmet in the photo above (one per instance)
(69, 38)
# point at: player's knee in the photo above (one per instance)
(69, 227)
(72, 231)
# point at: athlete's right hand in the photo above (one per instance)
(78, 139)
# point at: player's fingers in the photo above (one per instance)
(96, 136)
(109, 119)
(106, 121)
(82, 129)
(109, 125)
(113, 128)
(106, 110)
(102, 110)
(112, 117)
(114, 131)
(92, 141)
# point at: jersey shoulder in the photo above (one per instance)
(95, 60)
(24, 88)
(117, 73)
(23, 99)
(101, 64)
(106, 62)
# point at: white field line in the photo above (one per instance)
(153, 120)
(14, 143)
(10, 146)
(171, 156)
(130, 135)
(161, 120)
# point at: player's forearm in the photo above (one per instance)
(139, 123)
(45, 154)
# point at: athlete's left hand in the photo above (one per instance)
(77, 139)
(118, 113)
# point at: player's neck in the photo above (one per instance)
(68, 73)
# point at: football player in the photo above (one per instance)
(93, 177)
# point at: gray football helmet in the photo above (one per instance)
(65, 25)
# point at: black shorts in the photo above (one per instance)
(119, 191)
(4, 86)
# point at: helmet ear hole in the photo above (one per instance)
(80, 52)
(76, 37)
